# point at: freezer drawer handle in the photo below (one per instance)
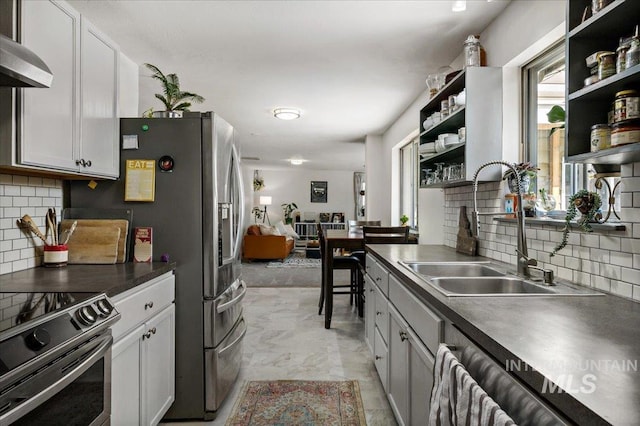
(223, 307)
(232, 344)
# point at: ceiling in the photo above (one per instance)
(351, 67)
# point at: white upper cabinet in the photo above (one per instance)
(99, 99)
(47, 118)
(71, 128)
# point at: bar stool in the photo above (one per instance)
(355, 285)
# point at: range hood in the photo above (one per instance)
(20, 67)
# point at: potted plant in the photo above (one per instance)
(586, 202)
(287, 210)
(175, 100)
(527, 172)
(257, 214)
(258, 183)
(404, 219)
(556, 114)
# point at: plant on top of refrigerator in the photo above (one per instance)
(173, 98)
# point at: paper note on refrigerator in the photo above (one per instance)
(140, 180)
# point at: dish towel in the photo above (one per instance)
(458, 400)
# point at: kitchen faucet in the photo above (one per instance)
(524, 263)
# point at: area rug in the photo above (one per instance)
(295, 260)
(299, 402)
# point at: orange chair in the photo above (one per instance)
(265, 247)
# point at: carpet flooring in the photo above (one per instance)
(299, 402)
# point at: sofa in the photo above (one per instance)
(265, 246)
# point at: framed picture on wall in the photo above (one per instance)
(337, 217)
(318, 191)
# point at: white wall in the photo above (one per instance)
(510, 36)
(128, 88)
(287, 185)
(378, 177)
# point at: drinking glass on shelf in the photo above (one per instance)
(439, 174)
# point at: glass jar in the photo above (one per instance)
(606, 65)
(598, 5)
(600, 137)
(626, 106)
(472, 52)
(621, 56)
(633, 54)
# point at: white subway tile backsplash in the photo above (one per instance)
(631, 275)
(601, 283)
(630, 184)
(622, 259)
(609, 242)
(621, 288)
(24, 195)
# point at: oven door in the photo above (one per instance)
(74, 389)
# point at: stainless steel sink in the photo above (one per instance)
(487, 285)
(454, 269)
(457, 279)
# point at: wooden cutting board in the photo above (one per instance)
(94, 245)
(466, 243)
(121, 224)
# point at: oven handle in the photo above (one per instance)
(54, 388)
(225, 306)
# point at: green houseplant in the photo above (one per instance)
(257, 214)
(287, 210)
(527, 172)
(173, 98)
(586, 202)
(404, 219)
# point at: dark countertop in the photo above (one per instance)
(592, 340)
(109, 279)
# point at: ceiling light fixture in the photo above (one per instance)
(296, 161)
(286, 113)
(459, 6)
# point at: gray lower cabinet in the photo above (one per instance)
(410, 372)
(369, 312)
(403, 334)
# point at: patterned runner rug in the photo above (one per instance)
(299, 402)
(295, 260)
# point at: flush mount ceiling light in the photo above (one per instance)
(296, 161)
(286, 113)
(459, 6)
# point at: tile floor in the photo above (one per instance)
(286, 339)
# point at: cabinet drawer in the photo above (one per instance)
(142, 302)
(378, 274)
(427, 325)
(381, 352)
(382, 314)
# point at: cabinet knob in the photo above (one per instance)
(153, 330)
(378, 357)
(78, 162)
(377, 278)
(87, 163)
(146, 335)
(403, 335)
(148, 305)
(371, 290)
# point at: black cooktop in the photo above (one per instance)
(22, 307)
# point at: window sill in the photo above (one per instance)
(609, 226)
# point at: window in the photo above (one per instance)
(544, 88)
(409, 182)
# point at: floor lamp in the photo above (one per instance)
(265, 201)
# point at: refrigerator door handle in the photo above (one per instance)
(223, 307)
(241, 212)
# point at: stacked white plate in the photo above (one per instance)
(445, 141)
(427, 149)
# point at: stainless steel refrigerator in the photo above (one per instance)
(196, 218)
